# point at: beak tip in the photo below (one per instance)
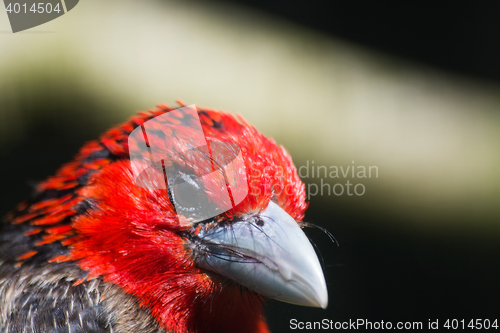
(321, 298)
(320, 301)
(323, 303)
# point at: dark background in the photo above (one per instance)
(458, 37)
(378, 272)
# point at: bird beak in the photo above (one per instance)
(269, 254)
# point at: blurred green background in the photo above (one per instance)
(421, 243)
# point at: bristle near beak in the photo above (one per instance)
(269, 254)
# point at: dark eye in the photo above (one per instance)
(188, 195)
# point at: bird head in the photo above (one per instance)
(202, 236)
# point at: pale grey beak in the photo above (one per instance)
(267, 253)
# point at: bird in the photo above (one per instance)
(182, 219)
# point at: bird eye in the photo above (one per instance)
(188, 195)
